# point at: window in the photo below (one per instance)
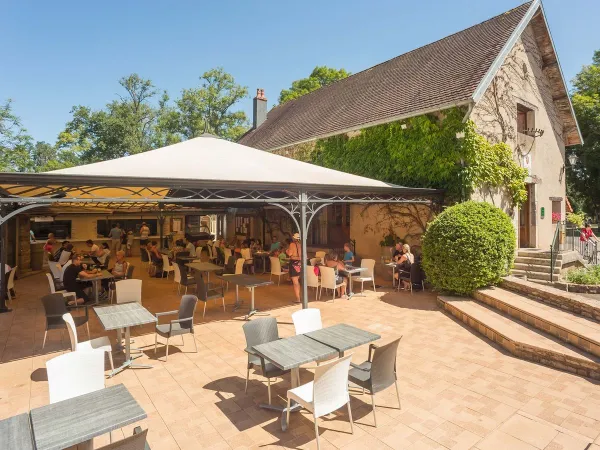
(103, 226)
(556, 211)
(60, 228)
(525, 118)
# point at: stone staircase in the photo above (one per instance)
(534, 264)
(535, 322)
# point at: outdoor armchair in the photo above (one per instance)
(62, 291)
(74, 374)
(101, 343)
(378, 372)
(54, 309)
(184, 324)
(135, 442)
(276, 269)
(367, 275)
(261, 331)
(328, 280)
(327, 393)
(205, 294)
(182, 278)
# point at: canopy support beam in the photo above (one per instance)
(3, 277)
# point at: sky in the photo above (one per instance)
(59, 54)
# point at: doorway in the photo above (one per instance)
(525, 213)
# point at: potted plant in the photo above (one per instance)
(387, 245)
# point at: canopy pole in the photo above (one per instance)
(3, 277)
(303, 236)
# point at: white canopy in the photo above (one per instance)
(210, 158)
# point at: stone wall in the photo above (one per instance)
(23, 245)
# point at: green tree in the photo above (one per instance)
(583, 180)
(208, 107)
(319, 77)
(15, 142)
(125, 127)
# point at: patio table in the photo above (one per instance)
(393, 266)
(350, 270)
(15, 432)
(290, 353)
(104, 275)
(248, 281)
(121, 316)
(78, 420)
(204, 267)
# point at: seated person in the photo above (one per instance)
(275, 244)
(119, 271)
(179, 247)
(403, 267)
(397, 252)
(101, 254)
(284, 259)
(48, 246)
(70, 283)
(92, 248)
(331, 260)
(190, 247)
(348, 255)
(58, 252)
(156, 258)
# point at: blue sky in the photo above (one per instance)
(59, 54)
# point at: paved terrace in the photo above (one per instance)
(458, 390)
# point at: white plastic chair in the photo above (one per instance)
(312, 280)
(62, 272)
(167, 266)
(198, 252)
(10, 284)
(54, 291)
(366, 275)
(327, 393)
(247, 257)
(227, 253)
(177, 277)
(74, 374)
(101, 343)
(129, 291)
(328, 280)
(307, 320)
(276, 269)
(64, 257)
(239, 266)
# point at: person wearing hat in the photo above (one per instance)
(144, 233)
(294, 252)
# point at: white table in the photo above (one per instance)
(393, 266)
(125, 315)
(350, 270)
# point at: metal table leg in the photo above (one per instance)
(129, 360)
(252, 309)
(295, 407)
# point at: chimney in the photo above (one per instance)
(259, 108)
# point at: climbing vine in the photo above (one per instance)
(427, 151)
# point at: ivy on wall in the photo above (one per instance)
(425, 151)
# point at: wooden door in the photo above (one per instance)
(525, 221)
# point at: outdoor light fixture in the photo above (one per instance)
(573, 159)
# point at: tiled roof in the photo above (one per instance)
(439, 74)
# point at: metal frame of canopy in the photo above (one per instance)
(23, 192)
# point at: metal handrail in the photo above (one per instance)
(554, 250)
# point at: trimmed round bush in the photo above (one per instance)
(468, 246)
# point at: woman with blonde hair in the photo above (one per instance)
(403, 267)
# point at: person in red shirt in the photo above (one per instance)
(585, 236)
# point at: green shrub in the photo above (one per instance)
(576, 218)
(468, 246)
(590, 275)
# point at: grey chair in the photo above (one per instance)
(54, 308)
(261, 331)
(135, 442)
(186, 279)
(205, 294)
(184, 324)
(378, 372)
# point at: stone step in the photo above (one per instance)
(535, 268)
(534, 275)
(521, 340)
(578, 331)
(569, 301)
(537, 254)
(536, 261)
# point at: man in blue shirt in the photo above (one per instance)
(348, 255)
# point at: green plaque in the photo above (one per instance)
(542, 212)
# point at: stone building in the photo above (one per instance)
(503, 73)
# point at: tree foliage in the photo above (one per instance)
(425, 152)
(15, 142)
(468, 246)
(583, 180)
(319, 77)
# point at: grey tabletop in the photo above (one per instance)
(100, 276)
(82, 418)
(15, 433)
(248, 281)
(342, 337)
(204, 266)
(352, 270)
(294, 351)
(124, 315)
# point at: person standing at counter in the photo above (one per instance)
(144, 233)
(115, 234)
(48, 246)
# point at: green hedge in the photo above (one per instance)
(468, 246)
